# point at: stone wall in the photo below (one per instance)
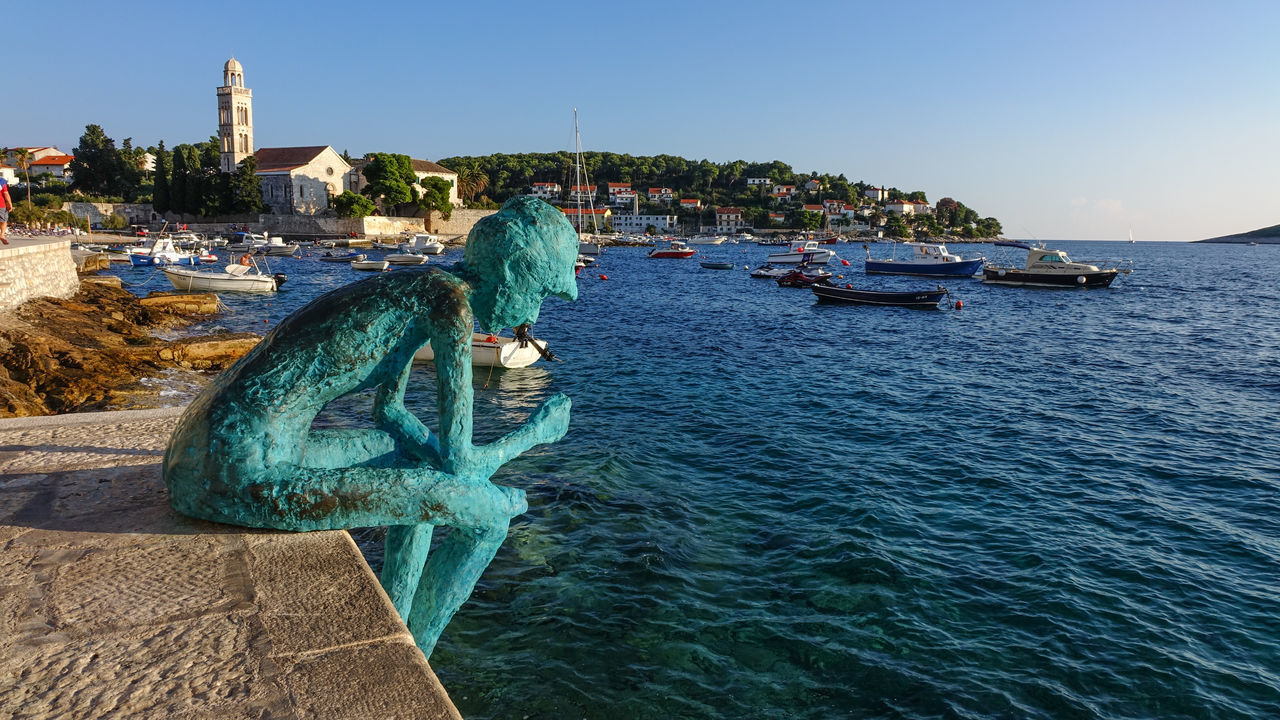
(32, 271)
(134, 213)
(459, 223)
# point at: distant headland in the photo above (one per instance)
(1261, 236)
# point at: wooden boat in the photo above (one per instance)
(375, 265)
(929, 259)
(928, 299)
(676, 249)
(236, 278)
(1050, 268)
(716, 265)
(489, 350)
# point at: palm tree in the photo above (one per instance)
(22, 156)
(471, 180)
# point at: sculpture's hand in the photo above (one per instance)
(518, 502)
(551, 421)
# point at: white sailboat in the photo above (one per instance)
(1130, 236)
(587, 242)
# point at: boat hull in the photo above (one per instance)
(1024, 278)
(717, 265)
(375, 265)
(160, 260)
(926, 300)
(813, 257)
(503, 352)
(677, 254)
(219, 282)
(964, 268)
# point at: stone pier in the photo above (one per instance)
(114, 606)
(32, 268)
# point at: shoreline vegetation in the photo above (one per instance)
(1262, 236)
(93, 351)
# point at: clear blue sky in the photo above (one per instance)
(1064, 120)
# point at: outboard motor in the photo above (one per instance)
(279, 278)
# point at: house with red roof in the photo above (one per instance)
(620, 193)
(878, 194)
(663, 195)
(908, 207)
(581, 193)
(690, 204)
(546, 190)
(728, 219)
(56, 165)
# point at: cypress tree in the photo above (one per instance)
(178, 184)
(160, 194)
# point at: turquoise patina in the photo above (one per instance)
(245, 452)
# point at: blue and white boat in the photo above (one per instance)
(931, 259)
(161, 252)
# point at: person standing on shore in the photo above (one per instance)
(6, 203)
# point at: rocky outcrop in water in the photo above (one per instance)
(91, 351)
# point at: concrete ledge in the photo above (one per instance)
(114, 606)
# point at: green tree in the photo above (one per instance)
(435, 198)
(391, 180)
(178, 181)
(353, 205)
(244, 188)
(96, 163)
(160, 192)
(471, 180)
(896, 227)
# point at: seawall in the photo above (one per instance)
(114, 606)
(36, 268)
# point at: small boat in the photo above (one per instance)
(242, 241)
(930, 259)
(489, 350)
(161, 252)
(379, 245)
(676, 249)
(803, 277)
(807, 253)
(1050, 268)
(707, 240)
(716, 265)
(426, 244)
(277, 247)
(206, 257)
(928, 299)
(237, 278)
(406, 258)
(377, 265)
(346, 257)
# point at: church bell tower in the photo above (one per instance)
(235, 116)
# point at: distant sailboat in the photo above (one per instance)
(1131, 236)
(588, 244)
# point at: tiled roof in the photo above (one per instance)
(812, 207)
(729, 211)
(426, 166)
(286, 158)
(618, 185)
(53, 160)
(584, 211)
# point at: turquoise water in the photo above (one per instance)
(1049, 504)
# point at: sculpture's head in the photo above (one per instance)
(517, 257)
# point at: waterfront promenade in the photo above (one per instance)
(114, 606)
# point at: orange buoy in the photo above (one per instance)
(844, 262)
(959, 304)
(491, 339)
(848, 286)
(604, 277)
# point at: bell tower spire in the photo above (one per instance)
(235, 117)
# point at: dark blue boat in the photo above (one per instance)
(929, 259)
(928, 299)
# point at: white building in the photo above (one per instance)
(664, 195)
(620, 193)
(235, 117)
(639, 223)
(546, 190)
(908, 207)
(877, 194)
(759, 181)
(58, 166)
(728, 219)
(581, 193)
(9, 173)
(300, 180)
(690, 204)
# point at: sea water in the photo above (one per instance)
(1048, 504)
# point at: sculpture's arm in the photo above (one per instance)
(411, 435)
(547, 425)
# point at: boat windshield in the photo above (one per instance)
(1054, 257)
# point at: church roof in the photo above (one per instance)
(232, 65)
(286, 158)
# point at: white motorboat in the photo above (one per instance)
(707, 240)
(426, 244)
(161, 252)
(810, 253)
(236, 278)
(242, 241)
(408, 257)
(277, 247)
(494, 351)
(376, 265)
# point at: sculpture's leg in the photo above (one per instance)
(405, 554)
(344, 448)
(450, 576)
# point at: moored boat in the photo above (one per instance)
(406, 258)
(716, 265)
(803, 277)
(236, 278)
(848, 294)
(425, 243)
(375, 265)
(807, 253)
(346, 257)
(488, 350)
(707, 240)
(676, 249)
(929, 259)
(161, 252)
(1050, 268)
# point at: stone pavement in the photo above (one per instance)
(114, 606)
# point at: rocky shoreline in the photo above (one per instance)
(95, 350)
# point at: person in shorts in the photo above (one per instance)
(6, 202)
